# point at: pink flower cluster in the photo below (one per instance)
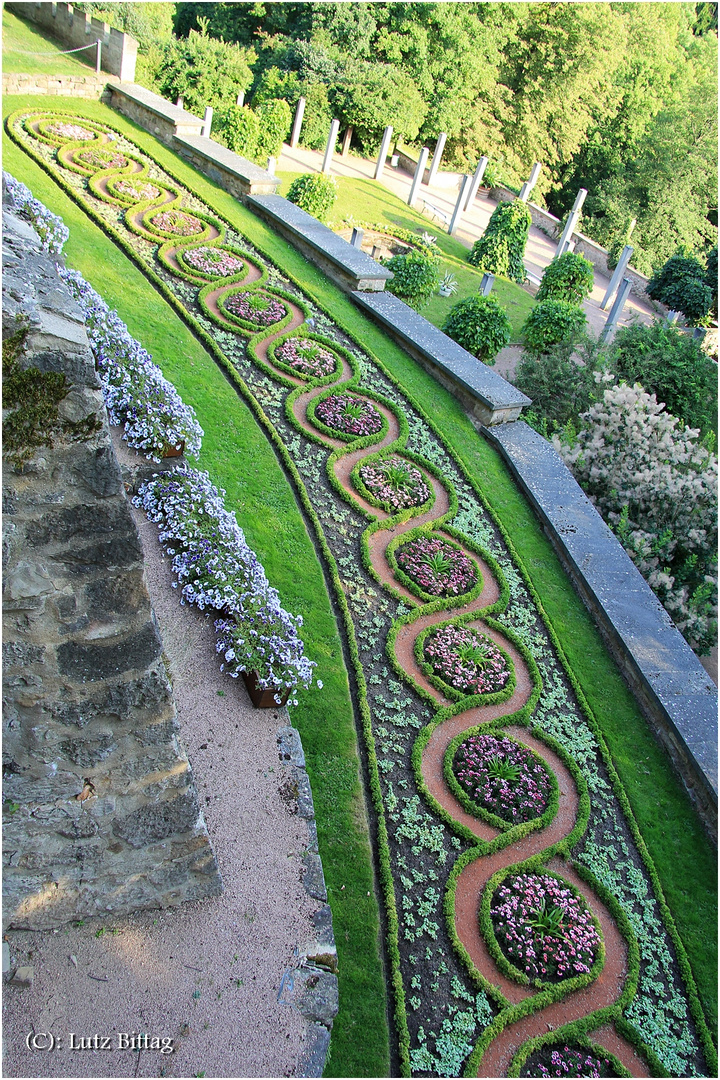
(467, 660)
(70, 131)
(102, 159)
(256, 308)
(437, 567)
(569, 1062)
(306, 357)
(137, 189)
(215, 262)
(395, 483)
(353, 415)
(177, 221)
(503, 777)
(524, 907)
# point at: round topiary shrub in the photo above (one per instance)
(415, 277)
(681, 285)
(501, 247)
(550, 322)
(315, 193)
(480, 325)
(239, 129)
(568, 278)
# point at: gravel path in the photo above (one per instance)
(205, 976)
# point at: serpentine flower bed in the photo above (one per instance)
(503, 777)
(453, 1009)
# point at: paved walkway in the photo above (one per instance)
(443, 194)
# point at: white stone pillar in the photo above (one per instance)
(385, 146)
(271, 163)
(460, 204)
(571, 223)
(240, 100)
(617, 274)
(616, 309)
(417, 178)
(435, 165)
(347, 138)
(297, 124)
(207, 122)
(356, 238)
(486, 284)
(180, 102)
(476, 180)
(330, 148)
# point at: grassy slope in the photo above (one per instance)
(685, 860)
(239, 458)
(19, 39)
(368, 201)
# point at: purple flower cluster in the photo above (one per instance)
(219, 571)
(98, 158)
(353, 415)
(255, 307)
(215, 262)
(467, 660)
(543, 928)
(50, 228)
(136, 189)
(136, 393)
(569, 1062)
(178, 222)
(306, 357)
(503, 777)
(70, 131)
(439, 568)
(395, 483)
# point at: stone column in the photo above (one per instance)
(530, 182)
(488, 280)
(240, 100)
(417, 178)
(330, 148)
(347, 137)
(98, 57)
(207, 122)
(180, 102)
(460, 204)
(617, 274)
(571, 223)
(271, 163)
(356, 238)
(385, 146)
(476, 180)
(297, 123)
(439, 147)
(616, 309)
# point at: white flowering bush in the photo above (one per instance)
(137, 395)
(50, 228)
(217, 570)
(655, 483)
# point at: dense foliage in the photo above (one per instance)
(415, 277)
(480, 325)
(254, 134)
(551, 322)
(314, 193)
(568, 278)
(681, 284)
(559, 387)
(501, 247)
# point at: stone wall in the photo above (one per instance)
(100, 809)
(82, 86)
(118, 53)
(153, 113)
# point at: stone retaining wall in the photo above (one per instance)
(226, 169)
(153, 113)
(83, 86)
(118, 52)
(100, 809)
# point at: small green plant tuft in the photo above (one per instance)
(314, 193)
(569, 278)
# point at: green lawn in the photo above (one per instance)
(369, 202)
(22, 42)
(684, 858)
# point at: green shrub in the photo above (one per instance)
(416, 277)
(239, 130)
(501, 248)
(671, 365)
(681, 285)
(691, 296)
(550, 322)
(480, 325)
(568, 278)
(203, 71)
(315, 193)
(560, 387)
(711, 277)
(274, 122)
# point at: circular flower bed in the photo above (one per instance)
(136, 189)
(213, 261)
(503, 777)
(178, 222)
(437, 567)
(305, 357)
(566, 1061)
(65, 130)
(543, 928)
(256, 308)
(467, 660)
(101, 159)
(352, 415)
(395, 483)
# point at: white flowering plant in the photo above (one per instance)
(50, 228)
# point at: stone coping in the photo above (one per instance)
(350, 265)
(156, 104)
(239, 167)
(412, 330)
(672, 687)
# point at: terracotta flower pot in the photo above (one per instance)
(263, 699)
(173, 451)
